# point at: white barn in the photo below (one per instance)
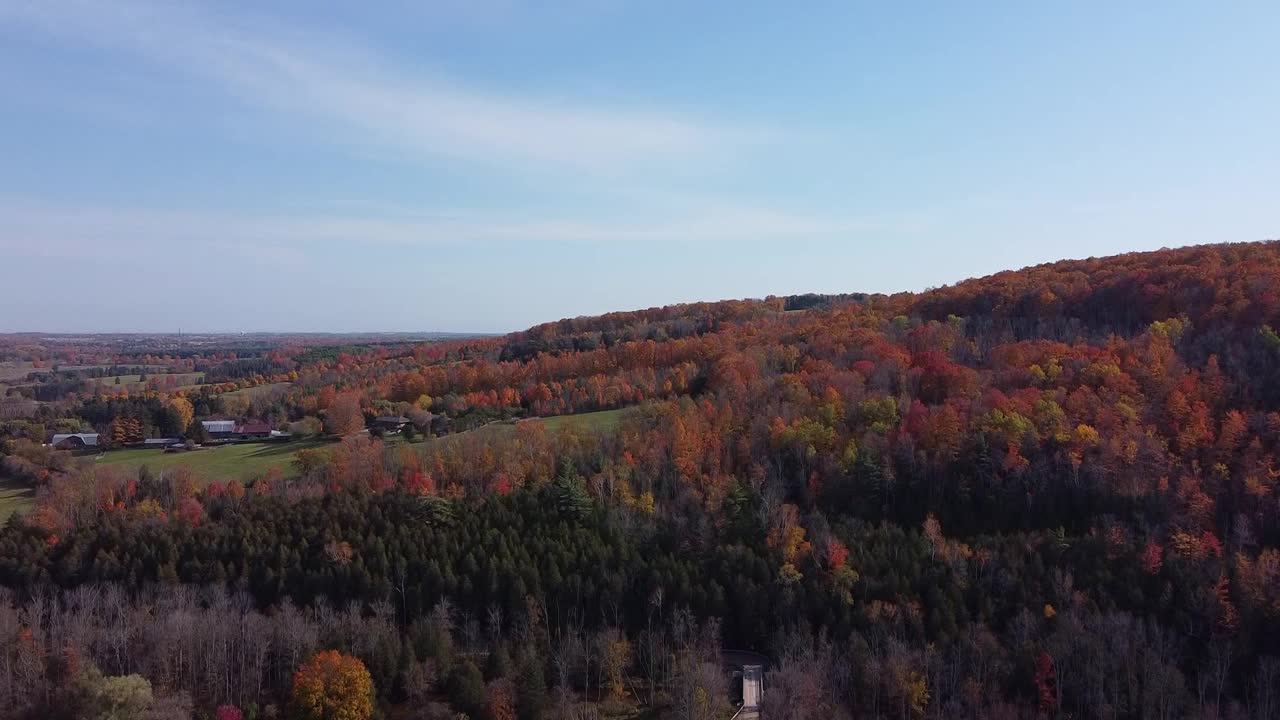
(218, 426)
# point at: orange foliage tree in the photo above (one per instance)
(332, 686)
(344, 416)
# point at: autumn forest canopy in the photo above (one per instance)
(1051, 492)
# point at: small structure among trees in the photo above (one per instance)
(390, 423)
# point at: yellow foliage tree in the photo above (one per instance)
(644, 502)
(787, 535)
(1086, 436)
(915, 693)
(332, 686)
(615, 655)
(183, 411)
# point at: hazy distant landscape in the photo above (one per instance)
(962, 501)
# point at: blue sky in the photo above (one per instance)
(485, 165)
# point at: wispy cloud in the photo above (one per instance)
(65, 231)
(368, 99)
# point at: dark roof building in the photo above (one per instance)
(74, 441)
(254, 429)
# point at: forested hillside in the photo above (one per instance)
(1051, 492)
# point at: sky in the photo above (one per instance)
(487, 165)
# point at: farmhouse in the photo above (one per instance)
(231, 430)
(74, 441)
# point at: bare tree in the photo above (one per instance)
(1266, 688)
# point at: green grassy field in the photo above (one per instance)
(252, 459)
(150, 368)
(217, 463)
(19, 369)
(255, 391)
(604, 420)
(601, 420)
(183, 379)
(14, 498)
(15, 369)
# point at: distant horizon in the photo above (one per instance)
(218, 333)
(477, 333)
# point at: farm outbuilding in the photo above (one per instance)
(74, 441)
(250, 430)
(215, 427)
(390, 423)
